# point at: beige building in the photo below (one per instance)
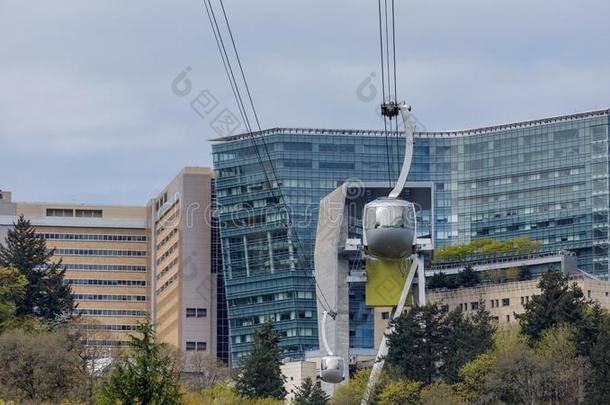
(124, 263)
(182, 274)
(504, 300)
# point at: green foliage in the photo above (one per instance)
(465, 340)
(524, 274)
(260, 375)
(400, 392)
(428, 344)
(558, 303)
(418, 343)
(486, 247)
(440, 393)
(550, 371)
(473, 376)
(45, 296)
(353, 391)
(39, 367)
(145, 375)
(310, 394)
(12, 291)
(598, 381)
(468, 277)
(222, 394)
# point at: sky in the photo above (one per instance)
(88, 112)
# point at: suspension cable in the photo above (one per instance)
(243, 112)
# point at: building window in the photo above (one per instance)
(202, 346)
(385, 315)
(202, 312)
(474, 305)
(505, 302)
(191, 346)
(191, 312)
(88, 213)
(507, 318)
(59, 212)
(588, 293)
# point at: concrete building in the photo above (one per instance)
(124, 263)
(545, 178)
(504, 300)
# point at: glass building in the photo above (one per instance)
(547, 179)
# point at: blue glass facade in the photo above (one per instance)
(547, 179)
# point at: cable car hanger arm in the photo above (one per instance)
(405, 112)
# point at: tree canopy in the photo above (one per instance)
(45, 295)
(260, 375)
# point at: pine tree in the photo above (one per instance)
(310, 394)
(468, 277)
(558, 303)
(46, 295)
(418, 343)
(260, 375)
(146, 375)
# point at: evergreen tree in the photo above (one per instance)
(524, 274)
(12, 290)
(146, 375)
(558, 303)
(466, 339)
(417, 345)
(46, 296)
(438, 280)
(468, 277)
(310, 394)
(260, 375)
(598, 378)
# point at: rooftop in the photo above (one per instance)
(432, 134)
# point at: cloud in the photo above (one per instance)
(87, 112)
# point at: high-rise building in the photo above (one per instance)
(547, 179)
(125, 263)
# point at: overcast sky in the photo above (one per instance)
(87, 112)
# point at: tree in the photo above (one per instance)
(400, 392)
(353, 391)
(598, 378)
(550, 371)
(260, 375)
(38, 367)
(12, 291)
(466, 339)
(473, 376)
(145, 375)
(438, 280)
(440, 393)
(417, 344)
(46, 296)
(559, 302)
(524, 273)
(310, 394)
(468, 277)
(204, 371)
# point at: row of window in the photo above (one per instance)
(95, 237)
(198, 346)
(105, 267)
(167, 268)
(104, 342)
(277, 317)
(68, 212)
(106, 327)
(259, 299)
(118, 283)
(110, 312)
(168, 252)
(99, 252)
(108, 297)
(168, 283)
(167, 238)
(501, 181)
(196, 312)
(293, 332)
